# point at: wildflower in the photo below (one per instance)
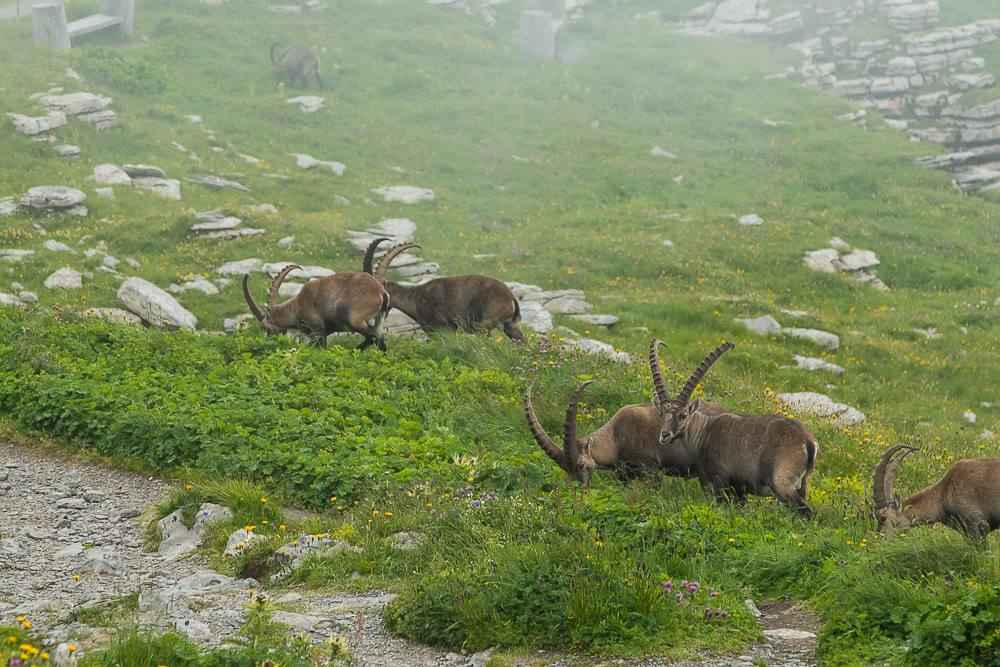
(188, 486)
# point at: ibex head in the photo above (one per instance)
(265, 317)
(889, 514)
(576, 461)
(676, 412)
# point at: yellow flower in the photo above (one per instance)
(732, 539)
(189, 486)
(45, 656)
(263, 500)
(27, 624)
(471, 478)
(388, 513)
(71, 647)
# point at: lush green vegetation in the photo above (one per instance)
(350, 434)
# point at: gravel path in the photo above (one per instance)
(72, 536)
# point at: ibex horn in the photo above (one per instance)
(662, 395)
(570, 445)
(366, 265)
(699, 372)
(885, 474)
(383, 265)
(541, 437)
(272, 296)
(254, 308)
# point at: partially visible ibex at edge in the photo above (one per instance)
(629, 443)
(341, 302)
(471, 303)
(297, 61)
(742, 454)
(967, 498)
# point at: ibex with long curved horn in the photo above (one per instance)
(627, 444)
(471, 303)
(967, 498)
(341, 302)
(740, 454)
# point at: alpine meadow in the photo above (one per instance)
(698, 185)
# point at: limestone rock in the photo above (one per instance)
(65, 278)
(240, 267)
(856, 259)
(143, 171)
(597, 347)
(608, 321)
(239, 540)
(822, 406)
(407, 540)
(178, 539)
(829, 340)
(408, 194)
(308, 162)
(811, 364)
(34, 126)
(662, 153)
(109, 174)
(154, 305)
(308, 272)
(788, 633)
(74, 103)
(218, 182)
(751, 219)
(764, 325)
(399, 323)
(213, 225)
(298, 622)
(399, 230)
(165, 187)
(115, 315)
(231, 324)
(52, 197)
(7, 206)
(822, 260)
(307, 103)
(105, 193)
(736, 11)
(56, 246)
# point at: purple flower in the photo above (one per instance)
(724, 614)
(433, 512)
(184, 507)
(714, 593)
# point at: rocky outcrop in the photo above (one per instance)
(153, 305)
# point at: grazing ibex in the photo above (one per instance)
(471, 303)
(627, 444)
(341, 302)
(967, 498)
(742, 454)
(298, 61)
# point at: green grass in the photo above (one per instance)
(437, 94)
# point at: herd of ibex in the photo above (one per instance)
(359, 301)
(734, 454)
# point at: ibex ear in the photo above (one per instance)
(899, 502)
(267, 312)
(693, 406)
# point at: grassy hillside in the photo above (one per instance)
(447, 98)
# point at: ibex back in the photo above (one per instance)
(967, 498)
(297, 61)
(737, 454)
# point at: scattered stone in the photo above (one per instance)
(115, 315)
(407, 194)
(231, 324)
(308, 162)
(67, 150)
(74, 103)
(143, 171)
(662, 153)
(240, 267)
(239, 540)
(307, 103)
(597, 347)
(64, 278)
(178, 539)
(56, 246)
(764, 325)
(219, 224)
(751, 219)
(811, 364)
(608, 321)
(829, 340)
(822, 406)
(53, 197)
(308, 272)
(154, 305)
(407, 540)
(37, 126)
(787, 633)
(217, 182)
(105, 193)
(970, 416)
(287, 241)
(165, 187)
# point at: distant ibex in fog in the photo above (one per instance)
(742, 454)
(629, 443)
(341, 302)
(298, 61)
(471, 303)
(967, 498)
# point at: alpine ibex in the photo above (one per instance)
(967, 498)
(298, 61)
(341, 302)
(471, 303)
(742, 454)
(628, 443)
